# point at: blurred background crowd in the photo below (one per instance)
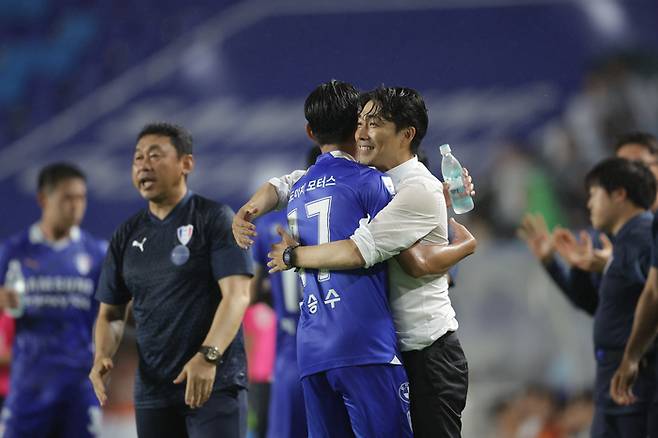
(529, 93)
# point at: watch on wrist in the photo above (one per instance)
(211, 354)
(289, 256)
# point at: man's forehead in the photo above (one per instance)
(635, 151)
(153, 141)
(371, 110)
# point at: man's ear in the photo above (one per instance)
(41, 199)
(619, 195)
(188, 164)
(309, 133)
(409, 133)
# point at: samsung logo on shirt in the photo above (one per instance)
(58, 301)
(45, 284)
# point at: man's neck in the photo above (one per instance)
(162, 208)
(347, 148)
(53, 233)
(400, 158)
(626, 216)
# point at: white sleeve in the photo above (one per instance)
(415, 211)
(283, 185)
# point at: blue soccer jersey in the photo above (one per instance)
(285, 286)
(55, 329)
(286, 412)
(53, 351)
(345, 316)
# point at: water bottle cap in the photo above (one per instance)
(445, 149)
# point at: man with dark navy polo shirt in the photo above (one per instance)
(189, 283)
(620, 195)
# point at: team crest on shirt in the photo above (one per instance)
(83, 263)
(403, 392)
(184, 234)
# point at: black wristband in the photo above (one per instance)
(289, 256)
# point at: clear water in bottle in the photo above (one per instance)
(452, 174)
(15, 281)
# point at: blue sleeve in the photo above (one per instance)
(260, 248)
(374, 193)
(226, 257)
(580, 287)
(111, 287)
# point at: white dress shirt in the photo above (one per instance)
(421, 307)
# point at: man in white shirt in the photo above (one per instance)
(390, 129)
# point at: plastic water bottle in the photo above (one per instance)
(452, 174)
(15, 281)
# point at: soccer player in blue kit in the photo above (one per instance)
(353, 381)
(287, 417)
(189, 283)
(58, 264)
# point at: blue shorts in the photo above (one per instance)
(358, 401)
(64, 406)
(223, 415)
(287, 415)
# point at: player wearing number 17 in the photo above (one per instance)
(352, 377)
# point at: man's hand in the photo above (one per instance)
(534, 232)
(99, 376)
(622, 382)
(602, 256)
(276, 255)
(581, 253)
(461, 235)
(200, 376)
(8, 298)
(243, 227)
(468, 185)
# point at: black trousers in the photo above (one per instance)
(438, 383)
(223, 415)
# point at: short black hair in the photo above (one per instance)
(180, 137)
(403, 106)
(618, 173)
(642, 138)
(53, 174)
(332, 112)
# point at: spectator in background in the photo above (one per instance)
(539, 412)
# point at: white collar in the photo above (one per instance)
(37, 236)
(341, 154)
(398, 173)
